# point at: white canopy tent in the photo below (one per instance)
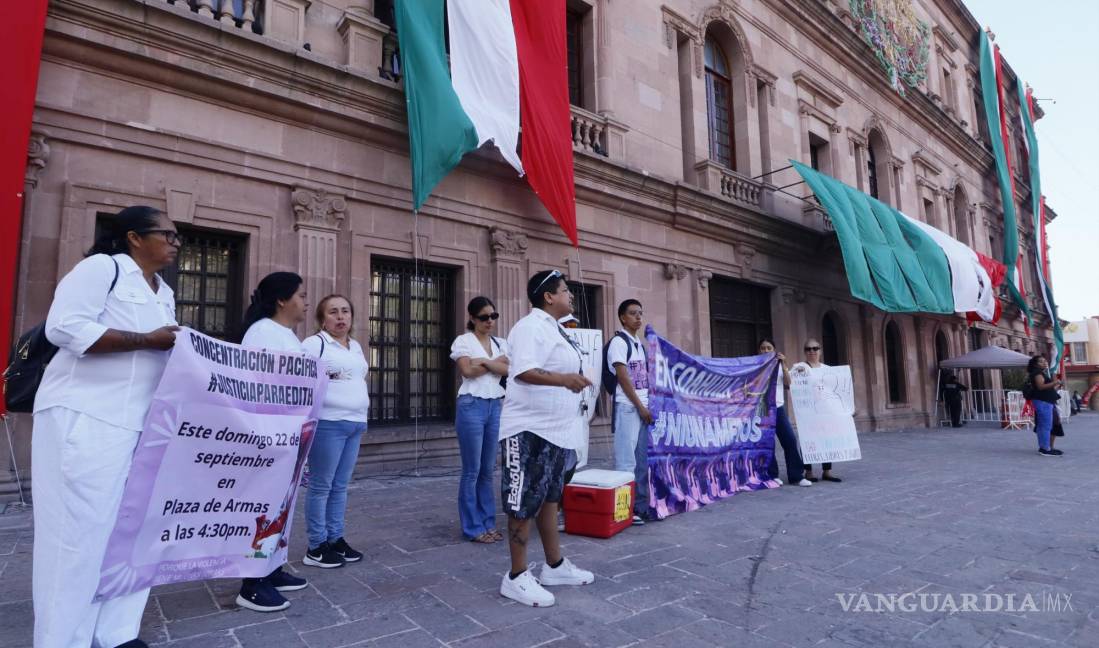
(989, 357)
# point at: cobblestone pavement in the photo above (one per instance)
(932, 512)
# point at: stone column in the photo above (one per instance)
(873, 385)
(38, 154)
(318, 217)
(509, 276)
(675, 274)
(604, 75)
(702, 311)
(922, 363)
(286, 20)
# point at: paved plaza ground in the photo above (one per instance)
(932, 512)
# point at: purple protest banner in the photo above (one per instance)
(214, 479)
(713, 430)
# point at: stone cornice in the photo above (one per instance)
(832, 34)
(816, 88)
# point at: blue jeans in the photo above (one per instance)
(631, 451)
(477, 424)
(331, 461)
(1043, 422)
(784, 434)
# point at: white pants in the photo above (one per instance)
(79, 466)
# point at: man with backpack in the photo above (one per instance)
(626, 378)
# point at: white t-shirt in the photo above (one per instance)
(538, 342)
(116, 388)
(348, 395)
(780, 389)
(467, 345)
(637, 366)
(269, 334)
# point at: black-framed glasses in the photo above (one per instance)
(485, 318)
(813, 348)
(171, 236)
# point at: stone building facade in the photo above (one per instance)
(273, 133)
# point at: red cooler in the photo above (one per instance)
(598, 503)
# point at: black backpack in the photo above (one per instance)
(29, 357)
(610, 377)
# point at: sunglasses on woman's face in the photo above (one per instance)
(490, 316)
(808, 349)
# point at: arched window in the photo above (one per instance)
(894, 363)
(878, 172)
(942, 349)
(832, 340)
(961, 215)
(719, 103)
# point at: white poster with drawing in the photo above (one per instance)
(590, 344)
(824, 404)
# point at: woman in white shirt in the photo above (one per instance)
(483, 362)
(342, 423)
(278, 305)
(113, 320)
(812, 358)
(784, 432)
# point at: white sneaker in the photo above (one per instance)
(565, 574)
(805, 482)
(778, 481)
(525, 589)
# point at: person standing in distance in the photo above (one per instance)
(341, 426)
(278, 305)
(952, 397)
(784, 432)
(482, 360)
(112, 319)
(539, 432)
(629, 359)
(1044, 396)
(812, 358)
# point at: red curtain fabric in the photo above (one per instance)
(544, 107)
(996, 272)
(21, 33)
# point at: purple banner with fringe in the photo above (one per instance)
(215, 475)
(713, 430)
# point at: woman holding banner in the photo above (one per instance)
(340, 428)
(278, 305)
(812, 358)
(112, 319)
(483, 362)
(784, 432)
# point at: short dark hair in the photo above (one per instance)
(476, 305)
(540, 284)
(624, 306)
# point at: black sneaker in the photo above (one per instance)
(260, 595)
(1057, 452)
(324, 556)
(134, 643)
(284, 582)
(1049, 453)
(346, 552)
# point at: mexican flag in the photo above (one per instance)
(992, 92)
(896, 262)
(1038, 207)
(507, 64)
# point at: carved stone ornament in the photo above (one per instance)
(675, 271)
(317, 208)
(508, 244)
(38, 153)
(746, 254)
(704, 277)
(793, 295)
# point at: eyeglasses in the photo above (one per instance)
(485, 318)
(171, 236)
(552, 275)
(814, 348)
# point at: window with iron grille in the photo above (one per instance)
(411, 326)
(719, 104)
(586, 304)
(207, 279)
(894, 364)
(574, 40)
(740, 316)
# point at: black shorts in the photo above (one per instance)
(533, 474)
